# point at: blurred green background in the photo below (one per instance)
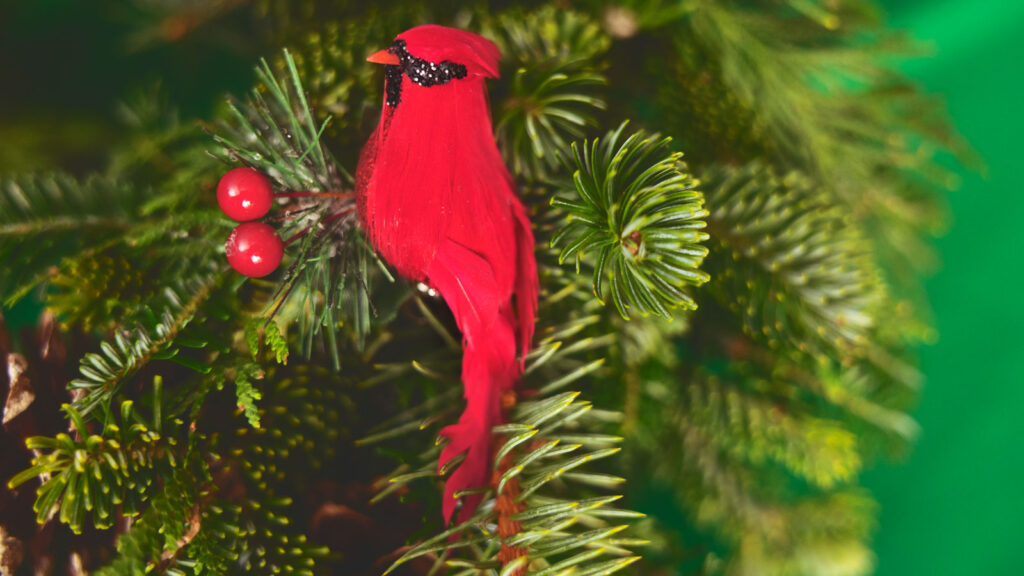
(954, 506)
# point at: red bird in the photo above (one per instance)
(438, 203)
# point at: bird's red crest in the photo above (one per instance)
(439, 43)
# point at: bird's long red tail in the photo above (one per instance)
(489, 367)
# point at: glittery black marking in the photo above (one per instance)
(418, 70)
(393, 84)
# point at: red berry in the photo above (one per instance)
(254, 250)
(244, 194)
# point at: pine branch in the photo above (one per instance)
(772, 62)
(105, 474)
(37, 204)
(768, 533)
(627, 18)
(44, 217)
(825, 92)
(552, 532)
(66, 234)
(330, 57)
(789, 264)
(156, 539)
(103, 375)
(757, 429)
(291, 400)
(275, 133)
(849, 388)
(118, 285)
(637, 209)
(709, 121)
(211, 506)
(553, 60)
(851, 393)
(548, 34)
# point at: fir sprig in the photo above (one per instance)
(103, 374)
(78, 474)
(275, 133)
(330, 57)
(542, 448)
(790, 265)
(750, 427)
(554, 93)
(762, 533)
(159, 536)
(825, 96)
(636, 214)
(44, 217)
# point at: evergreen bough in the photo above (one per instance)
(753, 360)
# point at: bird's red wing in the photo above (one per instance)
(527, 283)
(364, 174)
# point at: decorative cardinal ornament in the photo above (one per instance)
(438, 203)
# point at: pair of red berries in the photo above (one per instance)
(253, 248)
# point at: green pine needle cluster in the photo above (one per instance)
(638, 210)
(80, 474)
(819, 282)
(553, 70)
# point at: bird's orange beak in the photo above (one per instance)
(383, 57)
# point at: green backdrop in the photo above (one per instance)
(956, 505)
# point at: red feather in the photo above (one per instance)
(438, 203)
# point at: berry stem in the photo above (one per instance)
(338, 214)
(309, 194)
(297, 235)
(327, 219)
